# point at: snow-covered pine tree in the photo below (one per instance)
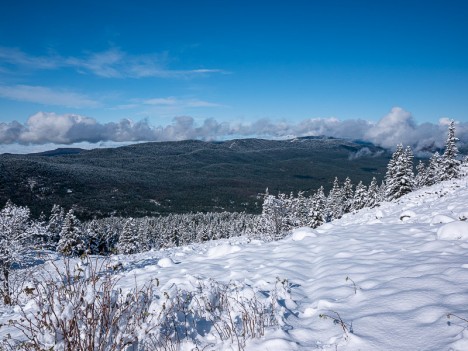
(301, 209)
(408, 181)
(54, 226)
(360, 196)
(391, 175)
(400, 177)
(372, 193)
(289, 203)
(450, 164)
(72, 241)
(382, 192)
(94, 238)
(129, 242)
(434, 170)
(15, 241)
(273, 215)
(421, 175)
(348, 196)
(317, 209)
(334, 202)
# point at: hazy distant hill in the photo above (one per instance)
(151, 178)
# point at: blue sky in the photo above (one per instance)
(231, 61)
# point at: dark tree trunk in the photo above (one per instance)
(6, 286)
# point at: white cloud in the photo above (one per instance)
(50, 127)
(46, 96)
(396, 127)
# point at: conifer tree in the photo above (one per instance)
(129, 242)
(335, 202)
(392, 170)
(273, 215)
(381, 192)
(360, 196)
(434, 170)
(15, 242)
(72, 241)
(54, 226)
(408, 179)
(421, 175)
(94, 237)
(372, 193)
(400, 178)
(317, 209)
(301, 206)
(450, 164)
(348, 196)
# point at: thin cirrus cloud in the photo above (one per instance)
(170, 104)
(172, 101)
(398, 126)
(46, 96)
(112, 63)
(16, 57)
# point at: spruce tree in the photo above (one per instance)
(450, 164)
(72, 241)
(400, 177)
(348, 196)
(54, 226)
(360, 197)
(334, 206)
(129, 240)
(372, 193)
(407, 183)
(421, 175)
(317, 209)
(434, 170)
(95, 240)
(391, 175)
(15, 242)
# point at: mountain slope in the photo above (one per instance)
(185, 176)
(403, 280)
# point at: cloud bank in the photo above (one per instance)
(398, 126)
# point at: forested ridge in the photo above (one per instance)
(182, 177)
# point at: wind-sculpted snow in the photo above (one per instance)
(372, 280)
(453, 231)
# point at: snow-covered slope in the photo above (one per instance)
(406, 280)
(392, 274)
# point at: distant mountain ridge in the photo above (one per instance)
(183, 176)
(59, 152)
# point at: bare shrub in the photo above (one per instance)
(79, 307)
(233, 312)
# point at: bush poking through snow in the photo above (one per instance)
(336, 318)
(354, 285)
(78, 308)
(231, 312)
(449, 315)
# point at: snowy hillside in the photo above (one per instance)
(382, 274)
(406, 279)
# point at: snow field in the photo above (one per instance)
(402, 281)
(385, 278)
